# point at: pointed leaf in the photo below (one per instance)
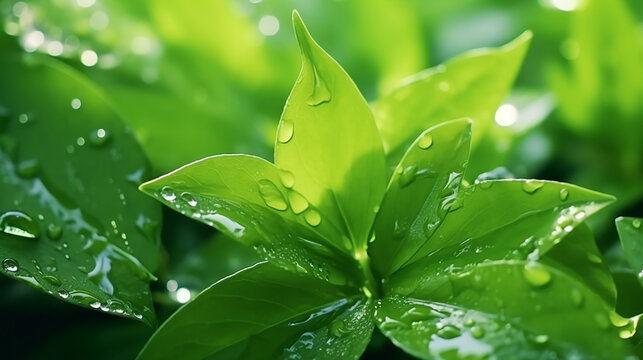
(249, 199)
(420, 192)
(506, 309)
(630, 231)
(327, 138)
(264, 312)
(72, 222)
(472, 85)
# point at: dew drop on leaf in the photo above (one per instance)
(477, 332)
(636, 223)
(271, 195)
(297, 202)
(287, 178)
(320, 93)
(10, 265)
(449, 332)
(99, 137)
(63, 293)
(425, 141)
(531, 186)
(407, 176)
(168, 193)
(536, 275)
(188, 198)
(577, 297)
(563, 194)
(312, 216)
(54, 231)
(19, 224)
(338, 328)
(28, 168)
(286, 131)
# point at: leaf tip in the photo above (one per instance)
(302, 34)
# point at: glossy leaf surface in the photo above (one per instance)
(472, 85)
(327, 138)
(73, 223)
(507, 309)
(264, 312)
(252, 201)
(630, 230)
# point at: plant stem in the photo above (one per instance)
(371, 287)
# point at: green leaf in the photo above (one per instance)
(472, 85)
(496, 219)
(630, 230)
(327, 138)
(73, 223)
(252, 201)
(422, 189)
(579, 257)
(264, 312)
(505, 309)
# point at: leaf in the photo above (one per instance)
(472, 85)
(497, 219)
(630, 231)
(264, 312)
(251, 200)
(327, 138)
(74, 224)
(505, 309)
(420, 192)
(578, 256)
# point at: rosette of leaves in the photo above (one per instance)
(445, 269)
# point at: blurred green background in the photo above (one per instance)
(193, 79)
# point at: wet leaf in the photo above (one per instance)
(73, 223)
(264, 312)
(630, 230)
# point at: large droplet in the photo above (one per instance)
(407, 176)
(536, 274)
(636, 223)
(531, 186)
(168, 193)
(10, 265)
(28, 168)
(54, 231)
(449, 332)
(298, 203)
(286, 131)
(19, 224)
(287, 178)
(271, 195)
(312, 217)
(189, 199)
(320, 93)
(338, 328)
(477, 332)
(425, 141)
(563, 194)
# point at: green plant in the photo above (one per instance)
(444, 268)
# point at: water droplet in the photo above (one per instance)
(76, 103)
(19, 224)
(312, 217)
(636, 223)
(23, 118)
(320, 93)
(563, 194)
(407, 176)
(577, 297)
(189, 199)
(298, 203)
(63, 293)
(469, 322)
(80, 141)
(449, 332)
(95, 304)
(477, 332)
(536, 274)
(54, 231)
(286, 131)
(425, 141)
(338, 328)
(531, 186)
(287, 178)
(271, 195)
(52, 280)
(99, 137)
(28, 168)
(541, 339)
(168, 193)
(594, 259)
(10, 265)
